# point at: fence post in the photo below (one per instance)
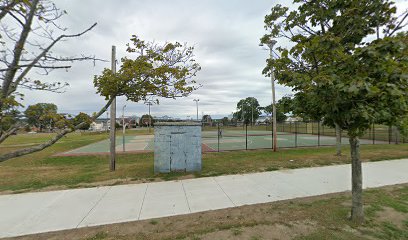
(312, 128)
(318, 133)
(246, 136)
(272, 135)
(389, 134)
(373, 134)
(218, 133)
(296, 126)
(396, 135)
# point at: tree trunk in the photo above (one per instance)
(338, 140)
(9, 132)
(357, 213)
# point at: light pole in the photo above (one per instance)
(252, 110)
(123, 127)
(197, 100)
(243, 115)
(270, 45)
(149, 103)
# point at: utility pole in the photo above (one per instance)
(196, 100)
(123, 127)
(107, 120)
(112, 132)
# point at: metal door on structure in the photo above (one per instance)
(178, 156)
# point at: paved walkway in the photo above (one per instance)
(29, 213)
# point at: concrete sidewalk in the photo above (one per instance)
(29, 213)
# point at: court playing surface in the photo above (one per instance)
(228, 140)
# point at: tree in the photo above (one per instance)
(146, 120)
(301, 106)
(163, 70)
(10, 119)
(166, 70)
(206, 119)
(158, 70)
(41, 115)
(283, 106)
(225, 121)
(29, 33)
(248, 110)
(82, 117)
(345, 69)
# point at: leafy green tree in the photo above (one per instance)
(283, 106)
(41, 115)
(10, 118)
(249, 110)
(82, 117)
(146, 120)
(166, 70)
(304, 106)
(225, 121)
(61, 122)
(348, 61)
(206, 119)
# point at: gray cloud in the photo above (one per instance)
(225, 35)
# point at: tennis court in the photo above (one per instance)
(213, 141)
(236, 140)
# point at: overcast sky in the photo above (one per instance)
(225, 35)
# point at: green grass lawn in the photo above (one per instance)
(43, 170)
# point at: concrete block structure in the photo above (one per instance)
(177, 147)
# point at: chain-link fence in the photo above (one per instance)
(240, 136)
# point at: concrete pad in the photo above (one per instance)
(120, 204)
(164, 199)
(376, 174)
(319, 180)
(15, 209)
(66, 213)
(276, 187)
(242, 191)
(204, 194)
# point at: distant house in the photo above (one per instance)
(98, 126)
(294, 119)
(163, 118)
(263, 120)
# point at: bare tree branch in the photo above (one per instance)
(42, 54)
(4, 10)
(399, 25)
(18, 49)
(9, 132)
